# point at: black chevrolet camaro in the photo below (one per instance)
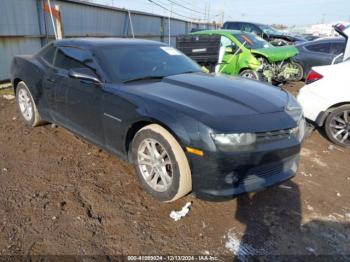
(184, 130)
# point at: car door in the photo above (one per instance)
(46, 57)
(318, 54)
(78, 102)
(228, 58)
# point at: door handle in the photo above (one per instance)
(50, 80)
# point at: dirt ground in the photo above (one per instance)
(62, 196)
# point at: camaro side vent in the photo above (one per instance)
(274, 135)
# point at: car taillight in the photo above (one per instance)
(313, 76)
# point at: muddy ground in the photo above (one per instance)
(60, 195)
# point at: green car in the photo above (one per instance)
(250, 56)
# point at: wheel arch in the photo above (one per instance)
(245, 68)
(15, 83)
(138, 125)
(322, 116)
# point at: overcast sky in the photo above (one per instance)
(289, 12)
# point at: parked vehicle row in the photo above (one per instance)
(243, 54)
(183, 129)
(267, 32)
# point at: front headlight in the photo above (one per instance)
(294, 109)
(300, 130)
(227, 142)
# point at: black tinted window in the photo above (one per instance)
(71, 57)
(48, 53)
(232, 26)
(320, 48)
(337, 48)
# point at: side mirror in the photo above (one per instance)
(84, 74)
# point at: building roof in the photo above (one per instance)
(94, 41)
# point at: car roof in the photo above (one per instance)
(244, 22)
(330, 39)
(325, 40)
(219, 31)
(98, 42)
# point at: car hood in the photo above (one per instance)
(205, 96)
(289, 37)
(275, 54)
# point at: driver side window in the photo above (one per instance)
(70, 57)
(226, 42)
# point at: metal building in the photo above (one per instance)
(25, 27)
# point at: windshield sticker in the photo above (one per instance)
(247, 39)
(170, 51)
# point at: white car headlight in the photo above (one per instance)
(232, 141)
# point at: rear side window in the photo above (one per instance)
(337, 48)
(319, 48)
(232, 26)
(48, 53)
(70, 57)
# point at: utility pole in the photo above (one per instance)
(323, 18)
(223, 17)
(169, 23)
(209, 12)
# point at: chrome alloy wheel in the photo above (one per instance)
(155, 165)
(25, 104)
(340, 127)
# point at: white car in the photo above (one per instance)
(326, 100)
(326, 97)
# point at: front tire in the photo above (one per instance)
(161, 164)
(337, 126)
(26, 105)
(294, 77)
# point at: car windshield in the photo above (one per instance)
(133, 62)
(251, 41)
(269, 30)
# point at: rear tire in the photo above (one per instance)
(161, 164)
(26, 105)
(337, 126)
(250, 74)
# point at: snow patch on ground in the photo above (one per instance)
(240, 249)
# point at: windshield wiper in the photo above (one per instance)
(143, 78)
(189, 72)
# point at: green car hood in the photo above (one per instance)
(276, 54)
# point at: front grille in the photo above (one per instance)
(274, 135)
(257, 173)
(262, 172)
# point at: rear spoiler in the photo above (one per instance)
(345, 32)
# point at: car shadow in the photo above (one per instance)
(276, 229)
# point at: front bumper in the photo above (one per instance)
(220, 176)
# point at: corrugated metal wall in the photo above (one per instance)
(24, 27)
